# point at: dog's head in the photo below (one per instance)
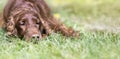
(28, 26)
(25, 21)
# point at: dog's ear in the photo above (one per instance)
(10, 27)
(43, 8)
(8, 8)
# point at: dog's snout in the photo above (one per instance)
(36, 36)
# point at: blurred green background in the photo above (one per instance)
(87, 7)
(90, 14)
(98, 22)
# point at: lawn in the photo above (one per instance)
(97, 21)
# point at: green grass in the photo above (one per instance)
(97, 21)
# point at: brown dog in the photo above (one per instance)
(31, 19)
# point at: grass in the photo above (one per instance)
(99, 26)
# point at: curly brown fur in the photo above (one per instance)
(21, 17)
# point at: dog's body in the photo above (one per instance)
(31, 19)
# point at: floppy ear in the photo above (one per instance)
(8, 8)
(44, 28)
(9, 24)
(43, 8)
(10, 27)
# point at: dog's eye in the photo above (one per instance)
(38, 23)
(22, 23)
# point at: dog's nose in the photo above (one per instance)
(36, 36)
